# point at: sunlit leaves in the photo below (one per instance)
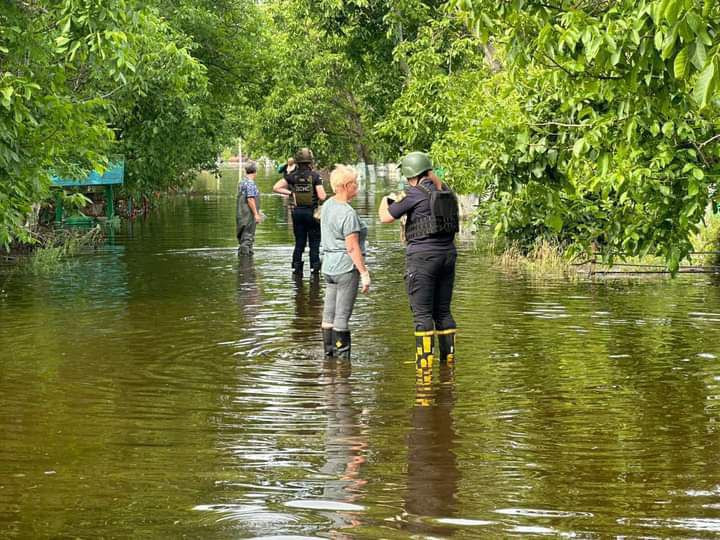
(629, 93)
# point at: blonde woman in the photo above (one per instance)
(343, 241)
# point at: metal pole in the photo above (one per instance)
(240, 163)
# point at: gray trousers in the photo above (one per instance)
(340, 293)
(245, 226)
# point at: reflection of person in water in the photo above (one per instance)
(248, 291)
(345, 444)
(308, 309)
(433, 474)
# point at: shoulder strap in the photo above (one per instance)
(424, 189)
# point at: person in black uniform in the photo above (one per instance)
(432, 222)
(306, 189)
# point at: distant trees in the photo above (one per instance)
(593, 123)
(160, 82)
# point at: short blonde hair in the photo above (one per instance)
(291, 161)
(341, 176)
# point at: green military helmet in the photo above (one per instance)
(304, 155)
(414, 164)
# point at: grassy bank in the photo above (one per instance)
(548, 259)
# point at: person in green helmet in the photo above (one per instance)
(431, 210)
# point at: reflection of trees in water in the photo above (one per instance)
(345, 442)
(433, 474)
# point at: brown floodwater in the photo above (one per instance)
(162, 387)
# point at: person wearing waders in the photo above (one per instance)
(305, 187)
(248, 210)
(343, 266)
(431, 210)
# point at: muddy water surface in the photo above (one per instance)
(162, 387)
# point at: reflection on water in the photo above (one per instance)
(165, 387)
(433, 474)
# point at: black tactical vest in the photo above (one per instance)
(303, 188)
(444, 215)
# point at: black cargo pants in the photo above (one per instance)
(307, 231)
(429, 281)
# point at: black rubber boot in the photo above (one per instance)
(315, 268)
(446, 345)
(297, 268)
(328, 341)
(342, 343)
(424, 349)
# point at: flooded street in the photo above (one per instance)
(161, 387)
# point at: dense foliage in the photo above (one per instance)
(603, 131)
(335, 76)
(80, 80)
(591, 123)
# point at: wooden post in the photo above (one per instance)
(109, 202)
(58, 206)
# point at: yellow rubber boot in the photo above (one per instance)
(446, 345)
(424, 349)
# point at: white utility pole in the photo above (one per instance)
(240, 163)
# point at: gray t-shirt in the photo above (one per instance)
(337, 221)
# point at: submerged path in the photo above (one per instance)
(163, 387)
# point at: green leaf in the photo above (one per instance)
(707, 6)
(699, 58)
(668, 45)
(555, 222)
(705, 85)
(579, 147)
(680, 66)
(7, 93)
(671, 10)
(659, 39)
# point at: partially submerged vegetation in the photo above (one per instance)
(549, 258)
(55, 249)
(52, 249)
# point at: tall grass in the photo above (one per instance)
(55, 250)
(544, 258)
(707, 241)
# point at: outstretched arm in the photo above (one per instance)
(282, 187)
(383, 212)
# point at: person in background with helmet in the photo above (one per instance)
(343, 241)
(248, 209)
(306, 188)
(431, 210)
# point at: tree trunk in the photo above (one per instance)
(493, 63)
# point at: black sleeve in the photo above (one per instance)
(317, 181)
(403, 206)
